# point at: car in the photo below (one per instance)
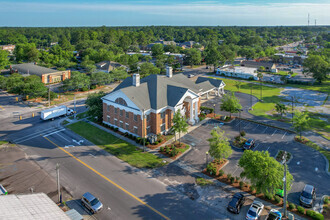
(92, 203)
(274, 215)
(191, 75)
(288, 76)
(255, 210)
(272, 79)
(308, 196)
(236, 203)
(249, 144)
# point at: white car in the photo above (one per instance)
(255, 210)
(191, 75)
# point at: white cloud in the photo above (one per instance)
(281, 13)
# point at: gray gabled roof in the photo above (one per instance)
(254, 64)
(32, 69)
(214, 82)
(158, 91)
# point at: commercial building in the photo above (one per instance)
(47, 75)
(108, 66)
(238, 72)
(269, 66)
(144, 107)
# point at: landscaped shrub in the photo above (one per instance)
(326, 200)
(237, 178)
(318, 216)
(174, 152)
(237, 138)
(301, 210)
(126, 134)
(211, 169)
(269, 196)
(232, 179)
(116, 129)
(221, 172)
(138, 140)
(167, 149)
(147, 142)
(207, 110)
(277, 199)
(161, 149)
(241, 184)
(310, 213)
(242, 133)
(228, 176)
(292, 206)
(252, 188)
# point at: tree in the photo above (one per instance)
(238, 84)
(179, 124)
(118, 74)
(230, 103)
(33, 87)
(263, 171)
(262, 68)
(317, 66)
(4, 61)
(213, 56)
(95, 105)
(193, 57)
(147, 69)
(260, 76)
(280, 108)
(100, 78)
(77, 81)
(157, 49)
(219, 144)
(300, 122)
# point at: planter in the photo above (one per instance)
(174, 151)
(279, 156)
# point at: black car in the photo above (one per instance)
(236, 203)
(249, 144)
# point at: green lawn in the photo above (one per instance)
(324, 87)
(319, 125)
(81, 115)
(270, 95)
(121, 149)
(3, 142)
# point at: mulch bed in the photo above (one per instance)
(177, 146)
(218, 117)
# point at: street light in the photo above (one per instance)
(239, 117)
(284, 180)
(207, 157)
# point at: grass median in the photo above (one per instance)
(116, 146)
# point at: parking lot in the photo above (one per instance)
(307, 165)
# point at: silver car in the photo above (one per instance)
(308, 196)
(255, 210)
(92, 203)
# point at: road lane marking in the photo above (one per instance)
(63, 137)
(53, 132)
(29, 137)
(283, 135)
(2, 107)
(34, 134)
(107, 179)
(274, 132)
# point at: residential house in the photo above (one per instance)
(10, 48)
(108, 66)
(269, 67)
(238, 72)
(47, 75)
(146, 106)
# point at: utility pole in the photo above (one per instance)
(58, 181)
(284, 179)
(251, 95)
(143, 132)
(292, 108)
(49, 96)
(74, 114)
(308, 19)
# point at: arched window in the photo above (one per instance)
(121, 101)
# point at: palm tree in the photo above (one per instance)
(260, 76)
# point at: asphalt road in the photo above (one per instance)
(42, 143)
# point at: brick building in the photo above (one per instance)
(47, 75)
(150, 103)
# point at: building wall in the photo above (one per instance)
(56, 77)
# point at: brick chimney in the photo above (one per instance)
(169, 72)
(136, 79)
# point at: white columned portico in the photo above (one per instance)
(191, 115)
(196, 111)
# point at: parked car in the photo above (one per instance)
(255, 210)
(308, 196)
(191, 75)
(92, 203)
(249, 144)
(236, 203)
(288, 76)
(274, 215)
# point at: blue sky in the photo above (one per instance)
(160, 12)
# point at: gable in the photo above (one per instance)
(111, 98)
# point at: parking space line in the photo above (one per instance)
(107, 179)
(238, 123)
(265, 130)
(245, 125)
(256, 127)
(283, 135)
(256, 147)
(268, 148)
(274, 132)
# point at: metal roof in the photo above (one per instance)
(32, 69)
(30, 206)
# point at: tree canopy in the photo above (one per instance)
(219, 144)
(230, 103)
(300, 122)
(95, 105)
(179, 123)
(318, 67)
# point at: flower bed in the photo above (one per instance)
(239, 141)
(279, 156)
(173, 150)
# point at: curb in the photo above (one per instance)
(268, 125)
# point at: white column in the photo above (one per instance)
(191, 115)
(207, 95)
(196, 111)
